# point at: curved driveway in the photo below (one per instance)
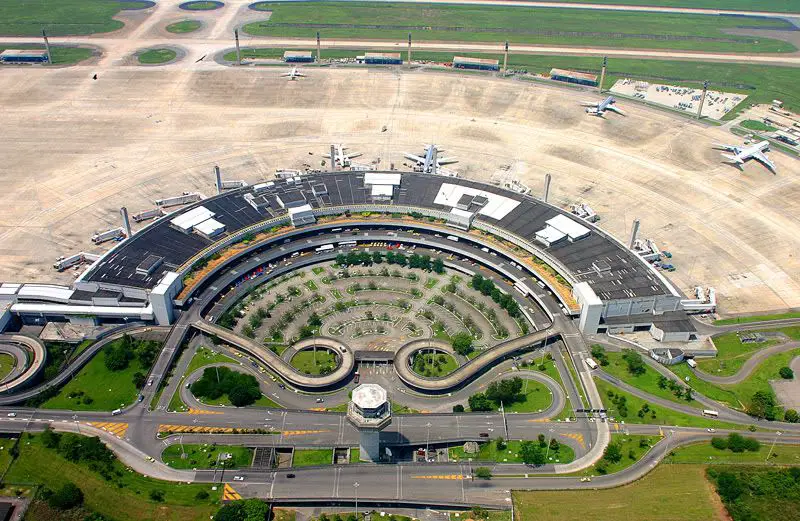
(748, 367)
(20, 346)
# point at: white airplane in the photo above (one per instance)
(742, 154)
(341, 157)
(294, 74)
(430, 159)
(599, 109)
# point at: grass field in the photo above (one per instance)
(731, 354)
(7, 364)
(758, 126)
(205, 356)
(536, 397)
(108, 390)
(755, 318)
(488, 452)
(663, 416)
(184, 26)
(520, 25)
(776, 6)
(632, 451)
(223, 401)
(668, 493)
(431, 365)
(123, 498)
(705, 453)
(205, 456)
(312, 457)
(61, 18)
(738, 395)
(647, 381)
(156, 56)
(309, 363)
(199, 5)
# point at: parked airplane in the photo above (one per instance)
(600, 108)
(294, 74)
(431, 158)
(341, 157)
(742, 154)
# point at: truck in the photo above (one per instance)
(108, 235)
(710, 412)
(63, 263)
(691, 363)
(185, 198)
(452, 238)
(590, 363)
(115, 412)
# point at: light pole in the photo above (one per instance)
(427, 440)
(547, 450)
(777, 433)
(355, 486)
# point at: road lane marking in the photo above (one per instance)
(441, 476)
(229, 494)
(303, 433)
(202, 411)
(577, 437)
(117, 429)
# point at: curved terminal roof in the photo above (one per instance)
(611, 269)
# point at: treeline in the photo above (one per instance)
(504, 300)
(758, 493)
(120, 353)
(242, 389)
(505, 391)
(363, 258)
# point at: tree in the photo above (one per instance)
(554, 445)
(314, 320)
(139, 379)
(729, 487)
(786, 373)
(247, 510)
(479, 513)
(438, 266)
(719, 443)
(458, 408)
(791, 416)
(763, 405)
(68, 496)
(635, 363)
(117, 356)
(483, 473)
(500, 443)
(505, 391)
(531, 454)
(462, 343)
(613, 453)
(542, 440)
(479, 402)
(377, 257)
(157, 495)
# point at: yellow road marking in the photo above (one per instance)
(117, 429)
(193, 428)
(539, 420)
(441, 476)
(228, 494)
(202, 411)
(301, 433)
(577, 437)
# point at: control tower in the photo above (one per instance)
(370, 412)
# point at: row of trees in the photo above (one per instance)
(505, 391)
(119, 355)
(736, 443)
(363, 258)
(504, 300)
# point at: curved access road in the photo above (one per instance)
(76, 365)
(30, 355)
(280, 366)
(748, 367)
(466, 372)
(710, 329)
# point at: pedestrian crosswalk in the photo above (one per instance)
(115, 428)
(577, 437)
(166, 429)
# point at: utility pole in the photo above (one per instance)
(602, 74)
(427, 440)
(409, 49)
(319, 56)
(355, 486)
(505, 424)
(47, 48)
(777, 433)
(238, 52)
(505, 59)
(702, 100)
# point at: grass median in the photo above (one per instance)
(205, 456)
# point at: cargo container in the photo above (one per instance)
(298, 57)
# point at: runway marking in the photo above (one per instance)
(303, 433)
(202, 411)
(117, 429)
(577, 437)
(441, 476)
(228, 494)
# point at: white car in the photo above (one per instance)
(12, 415)
(711, 430)
(238, 478)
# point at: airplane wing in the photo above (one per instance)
(733, 159)
(446, 160)
(589, 104)
(414, 158)
(286, 74)
(760, 157)
(613, 108)
(351, 155)
(300, 74)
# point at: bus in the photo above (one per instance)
(324, 247)
(335, 230)
(709, 412)
(347, 243)
(591, 363)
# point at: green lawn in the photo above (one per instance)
(355, 455)
(632, 451)
(434, 365)
(756, 318)
(29, 17)
(200, 5)
(202, 357)
(125, 497)
(7, 364)
(705, 453)
(316, 270)
(108, 390)
(224, 401)
(738, 395)
(731, 354)
(5, 452)
(777, 6)
(758, 126)
(80, 348)
(311, 285)
(312, 457)
(551, 370)
(663, 416)
(668, 493)
(489, 452)
(205, 456)
(156, 56)
(647, 382)
(184, 26)
(431, 282)
(521, 25)
(309, 363)
(536, 398)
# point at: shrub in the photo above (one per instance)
(68, 496)
(786, 373)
